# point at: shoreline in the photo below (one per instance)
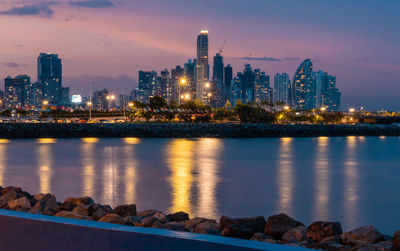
(276, 229)
(187, 130)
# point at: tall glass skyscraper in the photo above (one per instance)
(202, 66)
(49, 70)
(304, 87)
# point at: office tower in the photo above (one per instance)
(163, 83)
(217, 81)
(282, 88)
(147, 85)
(247, 84)
(36, 96)
(236, 89)
(100, 101)
(262, 88)
(327, 95)
(226, 91)
(1, 99)
(304, 87)
(17, 91)
(202, 67)
(65, 96)
(49, 70)
(175, 88)
(190, 76)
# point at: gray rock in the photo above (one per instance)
(114, 219)
(147, 213)
(46, 203)
(125, 210)
(133, 219)
(208, 227)
(243, 228)
(148, 221)
(81, 209)
(320, 230)
(179, 216)
(97, 210)
(361, 236)
(192, 223)
(22, 202)
(279, 224)
(296, 234)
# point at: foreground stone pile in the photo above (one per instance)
(278, 229)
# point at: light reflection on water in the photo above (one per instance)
(353, 180)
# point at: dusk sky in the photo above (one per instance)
(108, 41)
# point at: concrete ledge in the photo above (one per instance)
(23, 231)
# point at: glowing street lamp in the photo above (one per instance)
(323, 109)
(186, 96)
(90, 104)
(207, 85)
(286, 108)
(45, 102)
(131, 105)
(352, 110)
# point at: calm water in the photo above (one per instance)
(354, 180)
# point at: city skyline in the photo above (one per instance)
(359, 52)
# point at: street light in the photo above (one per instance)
(45, 102)
(323, 109)
(286, 108)
(207, 85)
(182, 82)
(352, 110)
(90, 103)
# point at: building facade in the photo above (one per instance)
(202, 66)
(304, 87)
(49, 71)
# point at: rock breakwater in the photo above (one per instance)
(278, 229)
(187, 130)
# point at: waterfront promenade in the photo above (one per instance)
(188, 130)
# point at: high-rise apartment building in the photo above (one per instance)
(262, 89)
(327, 95)
(226, 91)
(17, 91)
(49, 71)
(282, 88)
(216, 86)
(202, 66)
(189, 69)
(304, 87)
(147, 85)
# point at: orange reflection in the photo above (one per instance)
(4, 141)
(351, 181)
(131, 141)
(90, 140)
(110, 176)
(46, 141)
(3, 148)
(180, 162)
(130, 174)
(45, 170)
(285, 177)
(322, 175)
(88, 163)
(208, 151)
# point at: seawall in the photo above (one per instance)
(183, 130)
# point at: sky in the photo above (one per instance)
(108, 41)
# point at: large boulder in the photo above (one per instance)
(114, 219)
(192, 223)
(296, 234)
(148, 221)
(125, 210)
(80, 201)
(147, 213)
(208, 227)
(362, 236)
(278, 224)
(97, 210)
(243, 228)
(22, 202)
(81, 209)
(179, 216)
(46, 203)
(72, 215)
(380, 246)
(320, 230)
(11, 193)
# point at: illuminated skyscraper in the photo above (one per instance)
(304, 87)
(147, 85)
(282, 88)
(228, 75)
(50, 76)
(16, 91)
(202, 66)
(217, 81)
